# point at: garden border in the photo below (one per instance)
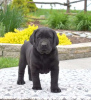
(74, 51)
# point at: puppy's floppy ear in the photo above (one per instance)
(32, 37)
(55, 39)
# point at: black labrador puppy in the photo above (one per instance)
(41, 56)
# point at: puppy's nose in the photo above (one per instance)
(44, 44)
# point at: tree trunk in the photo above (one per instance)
(5, 5)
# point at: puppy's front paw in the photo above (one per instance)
(56, 90)
(20, 82)
(30, 78)
(37, 88)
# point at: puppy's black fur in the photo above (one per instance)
(41, 56)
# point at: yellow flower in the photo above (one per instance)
(18, 37)
(63, 39)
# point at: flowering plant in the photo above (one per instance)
(18, 37)
(63, 39)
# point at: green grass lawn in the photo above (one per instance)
(8, 62)
(47, 12)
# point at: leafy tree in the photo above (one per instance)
(31, 6)
(24, 5)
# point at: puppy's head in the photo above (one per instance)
(44, 40)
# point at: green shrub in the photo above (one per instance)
(2, 29)
(71, 25)
(83, 22)
(11, 18)
(80, 22)
(57, 20)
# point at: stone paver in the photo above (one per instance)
(74, 81)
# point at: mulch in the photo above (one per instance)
(76, 40)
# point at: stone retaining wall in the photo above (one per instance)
(73, 51)
(10, 50)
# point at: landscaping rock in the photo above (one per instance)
(87, 33)
(68, 34)
(76, 33)
(89, 36)
(83, 35)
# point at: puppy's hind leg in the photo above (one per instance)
(21, 70)
(29, 73)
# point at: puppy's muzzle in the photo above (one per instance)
(44, 45)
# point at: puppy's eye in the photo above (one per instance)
(50, 37)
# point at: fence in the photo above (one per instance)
(65, 4)
(68, 4)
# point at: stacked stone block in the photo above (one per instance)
(73, 51)
(10, 50)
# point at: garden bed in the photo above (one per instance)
(80, 48)
(74, 39)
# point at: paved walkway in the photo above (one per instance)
(84, 63)
(74, 81)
